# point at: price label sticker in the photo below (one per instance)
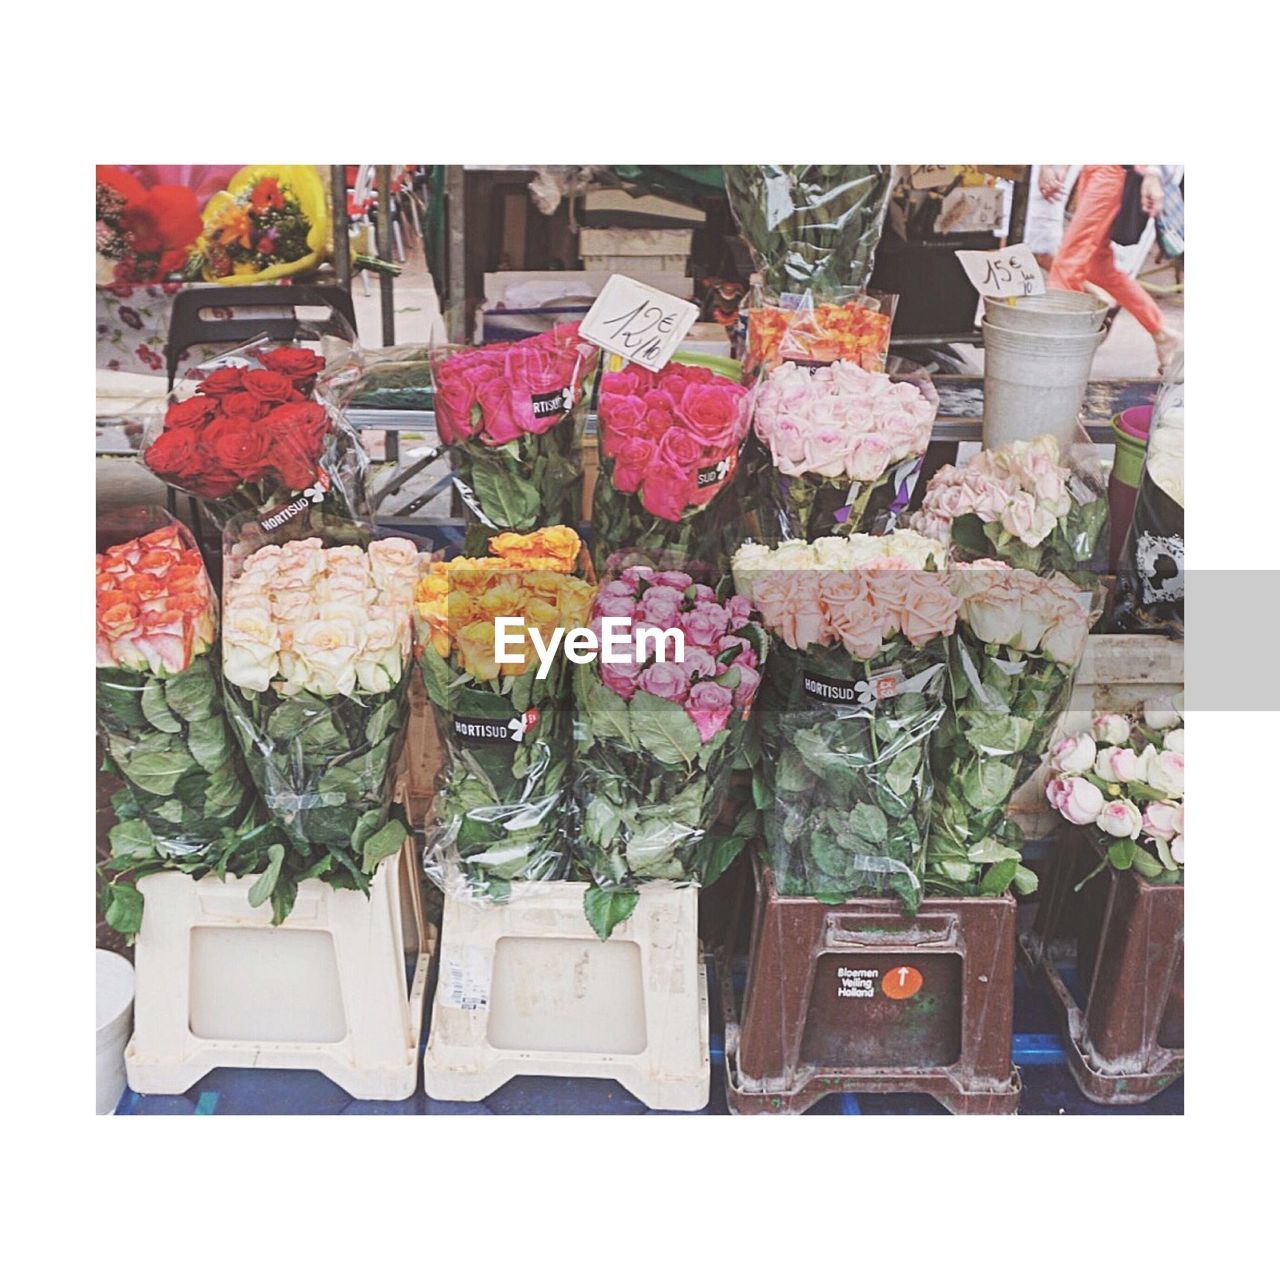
(925, 176)
(644, 325)
(1003, 273)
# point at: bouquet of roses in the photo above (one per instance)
(188, 801)
(316, 658)
(142, 235)
(499, 809)
(656, 738)
(1021, 504)
(838, 437)
(511, 414)
(272, 221)
(669, 445)
(854, 688)
(855, 329)
(1125, 780)
(256, 436)
(1011, 665)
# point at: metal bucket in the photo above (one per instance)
(1057, 311)
(1034, 383)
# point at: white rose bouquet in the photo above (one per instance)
(1023, 504)
(1011, 664)
(317, 643)
(838, 437)
(1124, 778)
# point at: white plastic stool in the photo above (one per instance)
(526, 988)
(219, 986)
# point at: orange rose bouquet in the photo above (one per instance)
(187, 803)
(854, 689)
(501, 800)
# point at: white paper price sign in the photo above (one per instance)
(1002, 273)
(638, 323)
(926, 176)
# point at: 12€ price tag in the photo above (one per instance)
(636, 322)
(1002, 273)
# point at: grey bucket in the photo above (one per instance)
(1034, 383)
(1056, 311)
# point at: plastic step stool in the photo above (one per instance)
(219, 986)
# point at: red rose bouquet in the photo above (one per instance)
(511, 415)
(142, 235)
(256, 436)
(669, 447)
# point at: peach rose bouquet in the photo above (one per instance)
(1012, 662)
(500, 805)
(187, 803)
(1025, 504)
(1123, 780)
(317, 656)
(844, 444)
(853, 691)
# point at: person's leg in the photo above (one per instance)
(1126, 291)
(1101, 188)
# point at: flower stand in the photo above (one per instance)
(219, 986)
(526, 988)
(1122, 1008)
(860, 998)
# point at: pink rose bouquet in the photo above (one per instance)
(844, 444)
(656, 739)
(1123, 780)
(1012, 662)
(511, 415)
(669, 446)
(854, 689)
(1023, 503)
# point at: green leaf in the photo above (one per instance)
(663, 729)
(224, 791)
(365, 826)
(207, 740)
(171, 811)
(1144, 864)
(1120, 854)
(382, 844)
(509, 501)
(869, 825)
(132, 839)
(124, 914)
(902, 770)
(436, 676)
(158, 771)
(262, 887)
(606, 711)
(606, 908)
(156, 709)
(987, 783)
(193, 695)
(1025, 880)
(999, 877)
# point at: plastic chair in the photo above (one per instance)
(188, 328)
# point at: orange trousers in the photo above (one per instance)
(1085, 253)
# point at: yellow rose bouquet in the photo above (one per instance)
(316, 659)
(501, 798)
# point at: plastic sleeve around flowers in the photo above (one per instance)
(846, 784)
(500, 809)
(323, 753)
(261, 430)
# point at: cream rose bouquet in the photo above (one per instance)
(1124, 780)
(1024, 504)
(1011, 663)
(843, 444)
(317, 659)
(854, 687)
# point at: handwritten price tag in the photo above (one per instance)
(1002, 273)
(638, 323)
(925, 176)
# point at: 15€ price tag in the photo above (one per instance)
(638, 323)
(1002, 273)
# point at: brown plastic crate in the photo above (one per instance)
(860, 998)
(1124, 936)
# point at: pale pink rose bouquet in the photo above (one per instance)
(844, 445)
(1028, 504)
(1124, 781)
(854, 689)
(316, 658)
(1011, 662)
(656, 740)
